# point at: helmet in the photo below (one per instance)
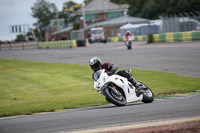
(128, 32)
(95, 63)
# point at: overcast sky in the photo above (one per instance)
(16, 12)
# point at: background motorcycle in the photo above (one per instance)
(128, 42)
(119, 91)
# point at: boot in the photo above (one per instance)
(137, 86)
(134, 82)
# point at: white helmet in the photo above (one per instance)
(95, 63)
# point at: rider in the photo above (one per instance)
(95, 64)
(127, 35)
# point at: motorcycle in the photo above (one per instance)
(119, 91)
(128, 42)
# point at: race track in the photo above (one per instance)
(103, 116)
(178, 58)
(182, 58)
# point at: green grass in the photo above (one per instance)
(30, 87)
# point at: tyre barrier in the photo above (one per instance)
(120, 39)
(140, 38)
(165, 37)
(115, 39)
(63, 44)
(175, 37)
(82, 43)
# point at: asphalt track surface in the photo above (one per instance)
(103, 116)
(179, 58)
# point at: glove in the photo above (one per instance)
(110, 73)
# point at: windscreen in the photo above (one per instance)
(97, 32)
(97, 75)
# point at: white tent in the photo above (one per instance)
(134, 28)
(130, 26)
(127, 26)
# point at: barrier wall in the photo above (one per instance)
(165, 37)
(64, 44)
(137, 38)
(116, 39)
(140, 38)
(176, 37)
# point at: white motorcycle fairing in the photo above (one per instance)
(102, 80)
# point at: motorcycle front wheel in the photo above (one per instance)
(114, 96)
(129, 46)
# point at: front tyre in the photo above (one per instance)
(129, 46)
(114, 96)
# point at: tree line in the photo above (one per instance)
(152, 9)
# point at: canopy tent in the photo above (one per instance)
(131, 26)
(127, 26)
(139, 29)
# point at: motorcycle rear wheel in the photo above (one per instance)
(147, 93)
(117, 99)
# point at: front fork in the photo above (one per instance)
(114, 89)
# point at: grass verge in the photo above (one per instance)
(31, 87)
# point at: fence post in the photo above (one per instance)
(10, 46)
(37, 44)
(23, 45)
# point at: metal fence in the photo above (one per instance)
(77, 35)
(181, 23)
(22, 45)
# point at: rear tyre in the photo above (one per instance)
(114, 97)
(148, 95)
